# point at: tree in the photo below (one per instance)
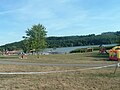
(25, 45)
(35, 38)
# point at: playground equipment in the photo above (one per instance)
(114, 53)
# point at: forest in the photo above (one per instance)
(70, 41)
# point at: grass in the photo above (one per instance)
(100, 79)
(8, 57)
(62, 58)
(93, 80)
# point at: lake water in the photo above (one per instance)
(68, 49)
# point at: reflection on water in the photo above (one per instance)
(68, 49)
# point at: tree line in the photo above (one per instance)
(40, 42)
(92, 39)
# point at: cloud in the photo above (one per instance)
(63, 17)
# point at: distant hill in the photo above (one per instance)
(68, 41)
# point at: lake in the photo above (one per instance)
(68, 49)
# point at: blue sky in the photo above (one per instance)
(60, 17)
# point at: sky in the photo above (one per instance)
(60, 17)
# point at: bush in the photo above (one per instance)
(82, 50)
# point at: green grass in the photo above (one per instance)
(89, 57)
(9, 56)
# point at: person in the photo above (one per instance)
(102, 49)
(23, 55)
